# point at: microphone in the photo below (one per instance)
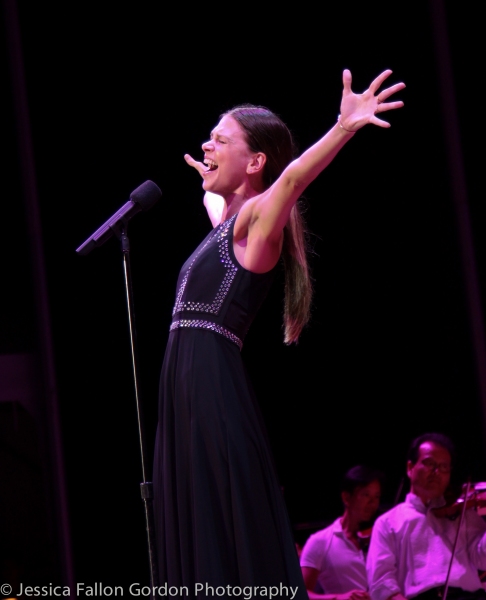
(142, 198)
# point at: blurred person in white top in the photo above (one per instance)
(333, 560)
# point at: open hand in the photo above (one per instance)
(199, 166)
(358, 110)
(213, 202)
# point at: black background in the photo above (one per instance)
(117, 94)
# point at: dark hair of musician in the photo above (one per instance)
(360, 476)
(266, 132)
(436, 438)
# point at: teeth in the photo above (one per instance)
(211, 164)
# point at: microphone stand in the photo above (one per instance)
(141, 198)
(146, 488)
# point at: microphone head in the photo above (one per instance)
(146, 195)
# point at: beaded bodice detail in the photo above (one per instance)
(215, 292)
(220, 237)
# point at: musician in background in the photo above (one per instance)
(411, 547)
(333, 561)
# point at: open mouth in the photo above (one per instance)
(212, 166)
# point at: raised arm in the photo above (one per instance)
(262, 216)
(357, 110)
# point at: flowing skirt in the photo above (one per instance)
(220, 514)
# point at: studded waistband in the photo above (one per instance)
(200, 324)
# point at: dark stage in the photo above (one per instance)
(117, 94)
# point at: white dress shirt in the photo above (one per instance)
(341, 566)
(411, 548)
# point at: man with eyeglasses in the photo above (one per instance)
(410, 550)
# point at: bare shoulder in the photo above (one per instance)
(254, 250)
(247, 216)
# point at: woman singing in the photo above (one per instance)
(221, 519)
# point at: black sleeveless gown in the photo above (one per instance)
(220, 515)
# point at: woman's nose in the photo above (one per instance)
(207, 146)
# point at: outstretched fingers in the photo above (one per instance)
(386, 93)
(347, 81)
(383, 106)
(199, 166)
(379, 122)
(359, 109)
(376, 83)
(388, 106)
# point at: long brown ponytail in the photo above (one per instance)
(267, 133)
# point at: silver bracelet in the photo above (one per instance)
(344, 128)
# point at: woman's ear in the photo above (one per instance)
(257, 163)
(345, 497)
